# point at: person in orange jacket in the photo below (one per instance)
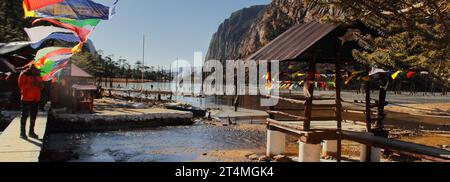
(31, 85)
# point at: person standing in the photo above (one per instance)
(31, 85)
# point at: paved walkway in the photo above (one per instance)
(15, 149)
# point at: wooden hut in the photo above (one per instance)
(315, 43)
(75, 90)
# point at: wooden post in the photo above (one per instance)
(309, 101)
(339, 109)
(381, 102)
(368, 109)
(368, 117)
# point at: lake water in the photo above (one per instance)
(164, 144)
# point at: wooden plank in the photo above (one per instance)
(318, 125)
(15, 149)
(310, 136)
(324, 118)
(301, 118)
(292, 101)
(324, 105)
(296, 128)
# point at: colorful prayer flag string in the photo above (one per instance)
(75, 19)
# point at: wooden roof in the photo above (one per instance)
(297, 42)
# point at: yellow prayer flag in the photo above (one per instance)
(77, 48)
(395, 75)
(28, 13)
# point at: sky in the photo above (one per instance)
(173, 28)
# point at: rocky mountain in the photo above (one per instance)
(225, 43)
(249, 29)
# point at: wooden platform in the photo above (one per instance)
(327, 130)
(320, 130)
(15, 149)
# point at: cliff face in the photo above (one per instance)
(225, 43)
(237, 39)
(279, 16)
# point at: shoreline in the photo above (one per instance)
(123, 80)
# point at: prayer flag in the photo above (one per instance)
(81, 23)
(352, 76)
(76, 9)
(39, 33)
(410, 74)
(395, 75)
(81, 32)
(55, 53)
(36, 4)
(375, 71)
(58, 36)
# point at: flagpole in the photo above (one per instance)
(143, 60)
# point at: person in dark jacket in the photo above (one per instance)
(31, 85)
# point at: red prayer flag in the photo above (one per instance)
(36, 4)
(81, 32)
(54, 53)
(410, 74)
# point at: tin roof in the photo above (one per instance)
(294, 42)
(76, 71)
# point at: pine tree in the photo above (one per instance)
(408, 34)
(12, 21)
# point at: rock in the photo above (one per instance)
(205, 154)
(253, 157)
(264, 158)
(282, 158)
(249, 154)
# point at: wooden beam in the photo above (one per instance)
(368, 115)
(292, 101)
(329, 118)
(309, 101)
(300, 118)
(325, 105)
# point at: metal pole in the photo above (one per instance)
(143, 61)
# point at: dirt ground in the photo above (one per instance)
(435, 137)
(434, 109)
